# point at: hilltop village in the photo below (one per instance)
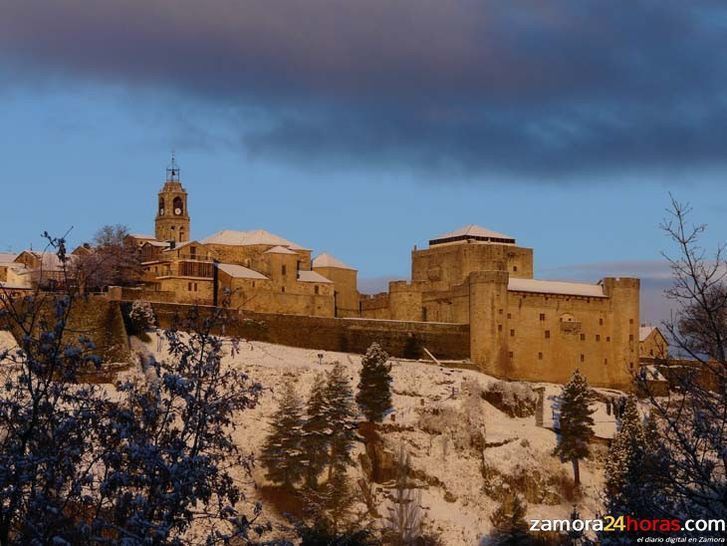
(517, 327)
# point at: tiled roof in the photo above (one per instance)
(240, 272)
(311, 276)
(556, 287)
(245, 238)
(326, 260)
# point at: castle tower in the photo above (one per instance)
(172, 220)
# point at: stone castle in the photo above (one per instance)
(519, 327)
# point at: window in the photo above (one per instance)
(499, 327)
(542, 317)
(631, 337)
(282, 269)
(509, 354)
(316, 290)
(631, 321)
(195, 287)
(189, 287)
(282, 289)
(547, 334)
(512, 333)
(499, 311)
(193, 252)
(608, 338)
(583, 337)
(509, 315)
(514, 269)
(598, 337)
(605, 361)
(583, 357)
(600, 322)
(540, 356)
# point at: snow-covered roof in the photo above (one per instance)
(162, 244)
(556, 287)
(141, 236)
(240, 272)
(311, 276)
(245, 238)
(326, 260)
(473, 232)
(7, 258)
(279, 250)
(180, 245)
(645, 331)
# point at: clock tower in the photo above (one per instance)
(172, 221)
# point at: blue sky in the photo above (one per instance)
(346, 133)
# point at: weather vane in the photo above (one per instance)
(173, 169)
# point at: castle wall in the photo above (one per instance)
(443, 266)
(375, 306)
(445, 341)
(544, 337)
(346, 289)
(260, 296)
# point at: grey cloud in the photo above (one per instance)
(469, 86)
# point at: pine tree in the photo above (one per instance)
(316, 433)
(509, 525)
(340, 414)
(337, 499)
(576, 423)
(374, 387)
(282, 453)
(632, 472)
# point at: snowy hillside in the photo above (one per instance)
(435, 409)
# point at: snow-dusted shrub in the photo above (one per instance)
(142, 316)
(464, 426)
(515, 399)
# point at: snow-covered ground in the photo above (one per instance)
(454, 492)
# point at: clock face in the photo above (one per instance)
(177, 211)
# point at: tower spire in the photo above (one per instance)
(173, 169)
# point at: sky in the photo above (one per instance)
(365, 128)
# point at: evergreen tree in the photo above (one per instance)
(340, 414)
(374, 387)
(509, 525)
(632, 472)
(316, 433)
(337, 499)
(282, 453)
(576, 423)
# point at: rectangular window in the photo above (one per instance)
(316, 289)
(605, 361)
(542, 317)
(195, 287)
(600, 322)
(189, 287)
(282, 289)
(540, 356)
(547, 334)
(509, 315)
(583, 337)
(514, 269)
(583, 358)
(598, 337)
(512, 333)
(509, 354)
(499, 311)
(282, 269)
(631, 337)
(499, 327)
(608, 338)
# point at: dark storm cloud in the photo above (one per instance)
(523, 86)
